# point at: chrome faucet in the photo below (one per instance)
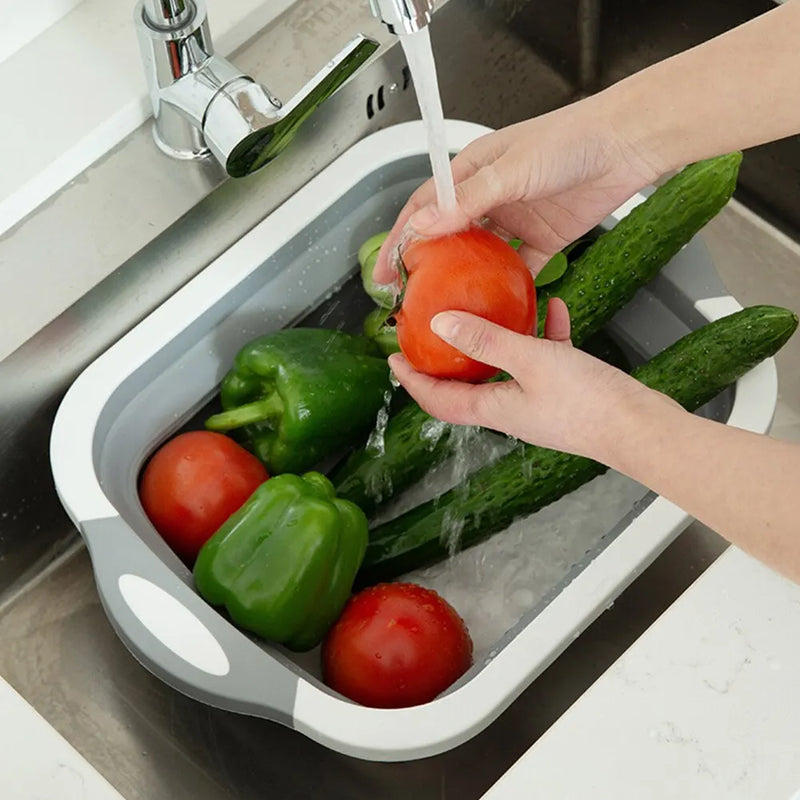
(203, 104)
(403, 16)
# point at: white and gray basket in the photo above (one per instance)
(169, 366)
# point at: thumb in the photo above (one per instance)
(482, 340)
(475, 197)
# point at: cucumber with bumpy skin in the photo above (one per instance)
(599, 283)
(692, 371)
(608, 274)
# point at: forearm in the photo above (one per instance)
(735, 91)
(740, 484)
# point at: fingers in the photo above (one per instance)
(440, 399)
(484, 179)
(495, 345)
(456, 402)
(482, 340)
(490, 404)
(462, 166)
(385, 269)
(476, 195)
(556, 323)
(534, 257)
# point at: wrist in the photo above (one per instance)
(646, 127)
(637, 426)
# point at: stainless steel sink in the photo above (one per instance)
(134, 228)
(594, 44)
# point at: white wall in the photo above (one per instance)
(24, 20)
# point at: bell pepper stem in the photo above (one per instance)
(270, 407)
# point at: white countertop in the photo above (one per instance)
(704, 705)
(36, 763)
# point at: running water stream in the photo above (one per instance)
(419, 55)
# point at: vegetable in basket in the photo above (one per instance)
(396, 645)
(471, 270)
(283, 565)
(380, 325)
(298, 395)
(193, 483)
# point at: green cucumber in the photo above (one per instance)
(607, 275)
(597, 285)
(692, 371)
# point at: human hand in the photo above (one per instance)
(558, 396)
(547, 181)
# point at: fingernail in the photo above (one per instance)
(445, 325)
(423, 219)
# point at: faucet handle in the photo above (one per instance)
(202, 102)
(246, 136)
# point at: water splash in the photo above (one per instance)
(328, 312)
(376, 443)
(500, 581)
(379, 483)
(462, 439)
(432, 431)
(452, 529)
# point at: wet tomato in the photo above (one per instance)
(193, 483)
(396, 645)
(474, 271)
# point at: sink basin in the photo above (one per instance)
(296, 262)
(594, 44)
(59, 649)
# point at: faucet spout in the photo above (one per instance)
(403, 16)
(203, 104)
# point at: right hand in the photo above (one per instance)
(547, 181)
(558, 396)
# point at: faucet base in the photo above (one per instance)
(193, 153)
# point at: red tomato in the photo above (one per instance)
(193, 483)
(474, 271)
(395, 645)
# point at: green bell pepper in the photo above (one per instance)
(299, 395)
(283, 564)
